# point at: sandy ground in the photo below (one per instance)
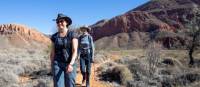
(94, 78)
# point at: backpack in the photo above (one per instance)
(85, 46)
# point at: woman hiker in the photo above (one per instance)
(64, 53)
(86, 49)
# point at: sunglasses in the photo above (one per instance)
(60, 21)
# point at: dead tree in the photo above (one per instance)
(194, 32)
(153, 56)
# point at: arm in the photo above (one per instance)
(74, 50)
(74, 54)
(92, 49)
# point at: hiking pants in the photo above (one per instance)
(85, 66)
(60, 77)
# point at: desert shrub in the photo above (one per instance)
(13, 85)
(168, 62)
(29, 67)
(48, 49)
(7, 78)
(45, 82)
(186, 79)
(106, 66)
(172, 62)
(118, 73)
(31, 52)
(153, 56)
(100, 57)
(137, 69)
(125, 60)
(11, 68)
(124, 73)
(136, 84)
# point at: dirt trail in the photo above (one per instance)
(95, 82)
(93, 79)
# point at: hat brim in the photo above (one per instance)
(69, 20)
(85, 28)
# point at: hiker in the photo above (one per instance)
(64, 53)
(86, 49)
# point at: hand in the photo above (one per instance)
(69, 68)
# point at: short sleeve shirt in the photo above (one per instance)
(63, 46)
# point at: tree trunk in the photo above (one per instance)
(191, 50)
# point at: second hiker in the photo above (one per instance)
(86, 48)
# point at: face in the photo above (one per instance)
(84, 31)
(61, 24)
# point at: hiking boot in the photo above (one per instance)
(83, 82)
(87, 84)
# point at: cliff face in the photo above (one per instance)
(21, 36)
(129, 22)
(151, 18)
(172, 12)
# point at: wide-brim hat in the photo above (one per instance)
(86, 28)
(62, 16)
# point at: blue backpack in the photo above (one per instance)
(85, 44)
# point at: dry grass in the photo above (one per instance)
(124, 74)
(178, 57)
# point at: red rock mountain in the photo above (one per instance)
(21, 36)
(134, 28)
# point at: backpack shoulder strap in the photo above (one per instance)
(81, 36)
(69, 35)
(90, 40)
(89, 37)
